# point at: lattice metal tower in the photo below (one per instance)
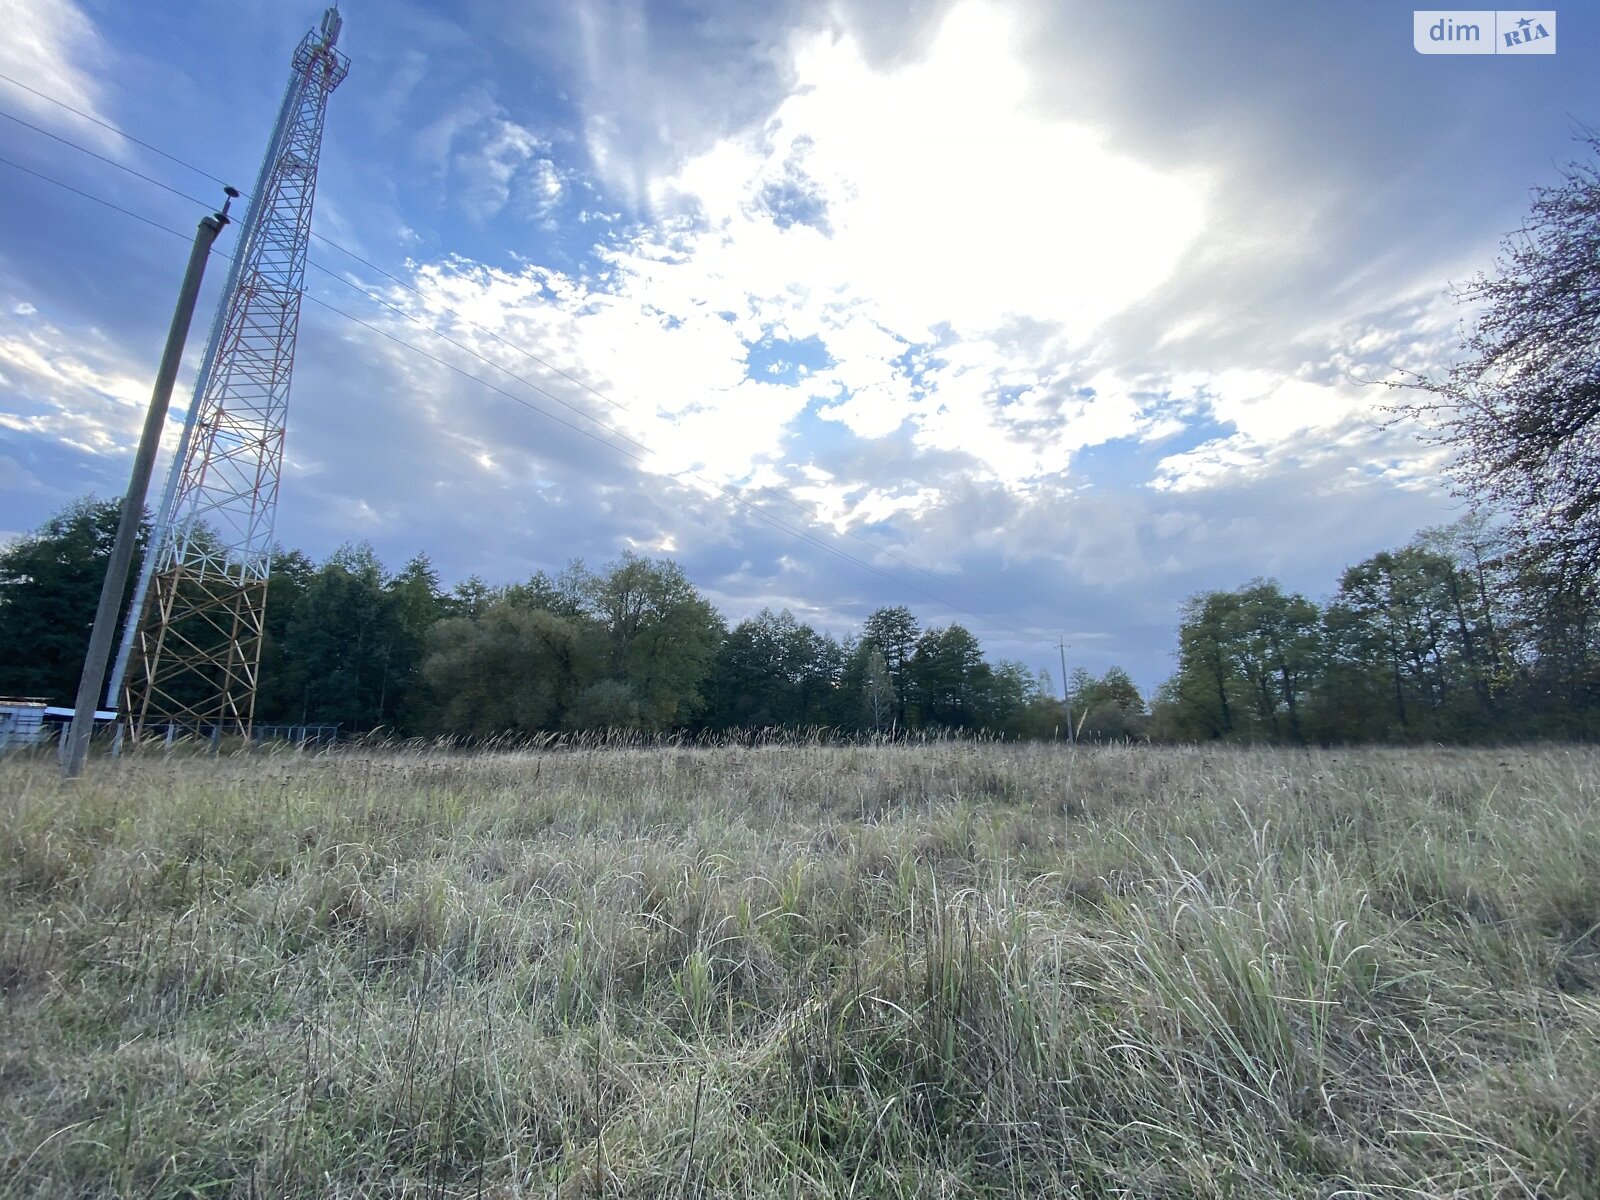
(195, 648)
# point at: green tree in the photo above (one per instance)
(472, 597)
(1247, 661)
(562, 595)
(1355, 700)
(1019, 704)
(1276, 644)
(417, 603)
(1482, 578)
(1203, 697)
(50, 585)
(281, 684)
(817, 665)
(949, 680)
(608, 704)
(1393, 613)
(879, 701)
(510, 669)
(1556, 628)
(339, 643)
(1458, 635)
(775, 670)
(895, 632)
(1109, 708)
(750, 687)
(661, 635)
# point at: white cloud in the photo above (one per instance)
(883, 211)
(52, 47)
(945, 199)
(951, 250)
(505, 151)
(489, 161)
(79, 391)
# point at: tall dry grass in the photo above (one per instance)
(939, 970)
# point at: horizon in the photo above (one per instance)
(1127, 346)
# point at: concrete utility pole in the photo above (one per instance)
(105, 616)
(1066, 697)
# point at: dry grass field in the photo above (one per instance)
(915, 971)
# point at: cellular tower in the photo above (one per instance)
(191, 646)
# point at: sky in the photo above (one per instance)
(1037, 316)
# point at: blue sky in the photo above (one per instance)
(1051, 314)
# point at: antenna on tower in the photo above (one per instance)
(195, 647)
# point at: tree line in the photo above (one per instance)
(630, 645)
(1461, 635)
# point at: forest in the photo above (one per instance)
(1456, 637)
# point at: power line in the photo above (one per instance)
(325, 270)
(93, 154)
(320, 237)
(112, 129)
(754, 510)
(90, 196)
(775, 493)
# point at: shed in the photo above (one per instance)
(22, 722)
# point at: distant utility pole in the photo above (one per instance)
(1066, 697)
(105, 616)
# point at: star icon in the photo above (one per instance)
(1525, 22)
